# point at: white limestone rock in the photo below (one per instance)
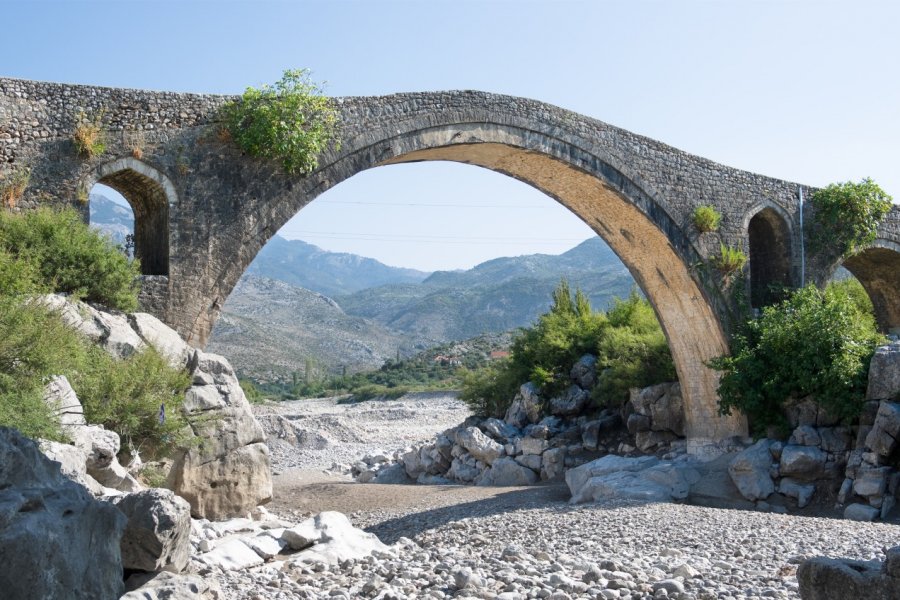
(162, 338)
(479, 445)
(231, 555)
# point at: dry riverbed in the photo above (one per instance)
(462, 541)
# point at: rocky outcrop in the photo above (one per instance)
(823, 578)
(56, 541)
(168, 586)
(225, 470)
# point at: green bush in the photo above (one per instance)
(125, 396)
(489, 390)
(34, 344)
(813, 343)
(290, 121)
(847, 215)
(632, 352)
(59, 252)
(629, 344)
(706, 218)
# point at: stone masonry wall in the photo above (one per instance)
(637, 193)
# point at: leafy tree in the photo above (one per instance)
(291, 121)
(813, 343)
(629, 344)
(847, 215)
(632, 352)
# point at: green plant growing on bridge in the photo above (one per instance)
(291, 121)
(815, 343)
(706, 218)
(847, 215)
(89, 136)
(729, 260)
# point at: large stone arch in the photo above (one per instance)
(878, 270)
(150, 194)
(636, 223)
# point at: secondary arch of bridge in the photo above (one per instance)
(636, 225)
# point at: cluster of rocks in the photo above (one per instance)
(527, 447)
(821, 454)
(223, 472)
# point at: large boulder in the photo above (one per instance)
(882, 439)
(56, 541)
(802, 462)
(226, 472)
(525, 407)
(479, 445)
(643, 478)
(823, 578)
(750, 469)
(663, 404)
(571, 402)
(111, 332)
(162, 338)
(884, 373)
(102, 447)
(72, 464)
(507, 472)
(329, 537)
(157, 536)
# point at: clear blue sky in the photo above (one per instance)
(798, 89)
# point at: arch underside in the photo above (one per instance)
(694, 332)
(878, 270)
(770, 257)
(151, 217)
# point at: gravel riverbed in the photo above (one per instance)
(508, 543)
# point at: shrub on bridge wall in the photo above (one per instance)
(706, 218)
(291, 121)
(815, 342)
(56, 251)
(628, 341)
(847, 215)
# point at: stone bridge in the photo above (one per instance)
(203, 210)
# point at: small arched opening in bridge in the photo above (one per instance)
(149, 194)
(878, 270)
(770, 257)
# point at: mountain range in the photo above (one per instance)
(298, 304)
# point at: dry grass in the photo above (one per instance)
(13, 186)
(89, 137)
(135, 141)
